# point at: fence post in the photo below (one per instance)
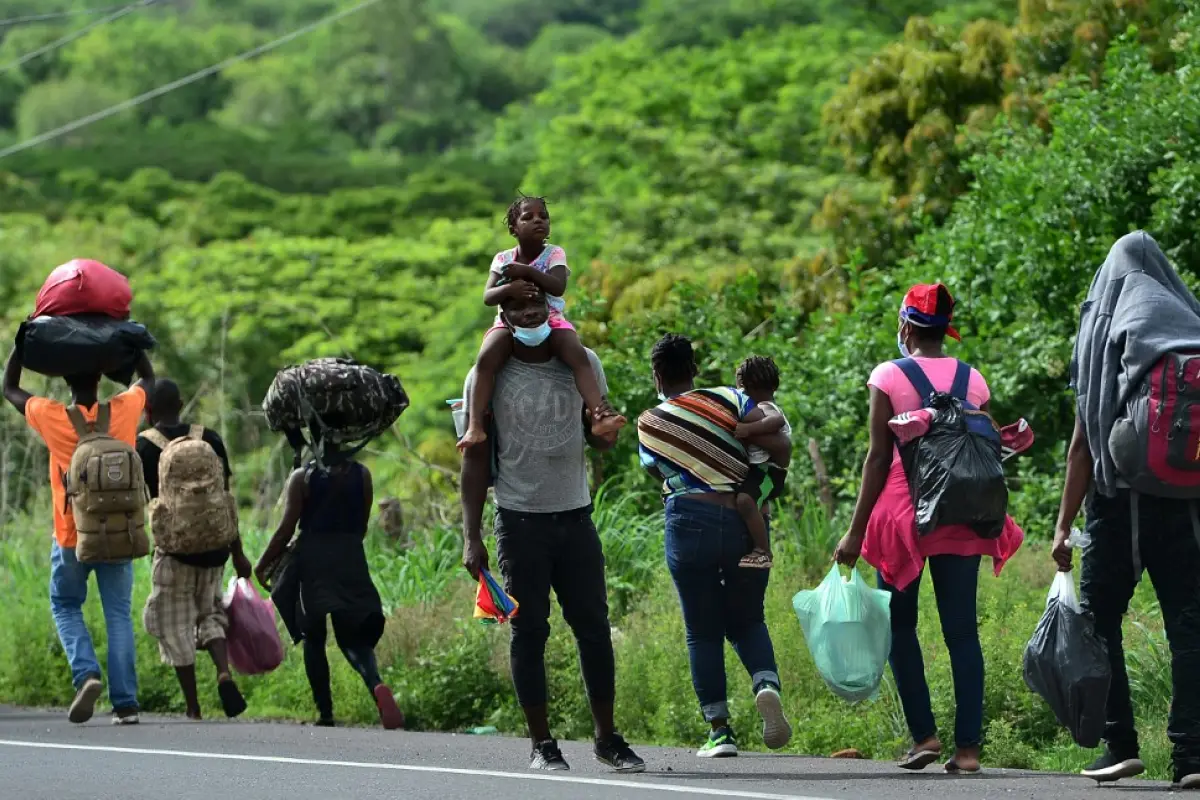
(826, 493)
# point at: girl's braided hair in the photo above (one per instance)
(758, 372)
(514, 210)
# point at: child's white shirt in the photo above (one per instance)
(757, 454)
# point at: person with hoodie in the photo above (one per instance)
(1130, 369)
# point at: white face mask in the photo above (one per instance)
(532, 337)
(900, 345)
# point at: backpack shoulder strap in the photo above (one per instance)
(916, 376)
(78, 422)
(156, 438)
(103, 418)
(962, 381)
(196, 432)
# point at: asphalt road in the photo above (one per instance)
(43, 757)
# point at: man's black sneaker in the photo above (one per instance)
(547, 756)
(616, 753)
(1110, 768)
(1187, 782)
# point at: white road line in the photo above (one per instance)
(482, 773)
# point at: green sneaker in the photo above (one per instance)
(721, 744)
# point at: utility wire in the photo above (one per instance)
(184, 81)
(53, 15)
(76, 34)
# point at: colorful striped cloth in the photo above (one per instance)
(689, 440)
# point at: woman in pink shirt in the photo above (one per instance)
(884, 533)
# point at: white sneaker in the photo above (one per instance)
(777, 731)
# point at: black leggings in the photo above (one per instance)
(316, 665)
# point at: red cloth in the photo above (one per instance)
(893, 546)
(84, 286)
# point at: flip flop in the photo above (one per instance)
(952, 768)
(919, 759)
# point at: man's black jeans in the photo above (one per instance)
(1166, 540)
(540, 552)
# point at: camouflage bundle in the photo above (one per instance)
(337, 400)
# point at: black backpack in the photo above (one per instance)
(955, 474)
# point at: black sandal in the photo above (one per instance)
(917, 760)
(952, 768)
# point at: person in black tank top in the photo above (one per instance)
(329, 577)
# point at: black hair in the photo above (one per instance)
(930, 334)
(514, 211)
(673, 359)
(166, 397)
(758, 373)
(935, 335)
(82, 384)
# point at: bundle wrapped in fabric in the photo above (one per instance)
(83, 344)
(337, 400)
(84, 286)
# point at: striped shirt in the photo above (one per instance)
(690, 440)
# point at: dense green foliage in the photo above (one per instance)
(765, 176)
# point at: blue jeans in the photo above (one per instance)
(68, 591)
(704, 543)
(955, 581)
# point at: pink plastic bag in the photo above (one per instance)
(253, 639)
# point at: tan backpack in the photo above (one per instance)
(193, 512)
(106, 493)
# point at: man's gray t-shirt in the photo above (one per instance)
(538, 424)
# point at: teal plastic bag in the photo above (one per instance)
(848, 627)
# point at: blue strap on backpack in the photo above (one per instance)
(976, 423)
(916, 376)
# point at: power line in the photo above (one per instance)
(53, 15)
(83, 122)
(73, 35)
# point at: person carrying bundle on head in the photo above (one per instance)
(325, 573)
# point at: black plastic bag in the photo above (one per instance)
(1066, 664)
(83, 345)
(955, 472)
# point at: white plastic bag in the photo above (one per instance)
(1063, 590)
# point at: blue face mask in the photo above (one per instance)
(904, 351)
(532, 337)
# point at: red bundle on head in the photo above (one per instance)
(84, 286)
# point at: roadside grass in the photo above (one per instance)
(452, 674)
